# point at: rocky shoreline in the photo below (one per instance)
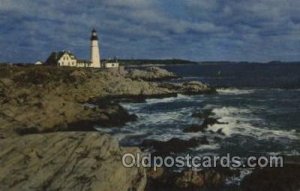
(47, 119)
(48, 140)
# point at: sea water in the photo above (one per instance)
(260, 104)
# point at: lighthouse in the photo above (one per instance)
(95, 53)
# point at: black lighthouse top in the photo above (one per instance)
(94, 35)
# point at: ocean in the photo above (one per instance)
(260, 104)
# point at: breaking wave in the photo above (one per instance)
(234, 91)
(168, 99)
(241, 121)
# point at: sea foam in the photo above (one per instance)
(234, 91)
(241, 121)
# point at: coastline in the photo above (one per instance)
(47, 121)
(43, 105)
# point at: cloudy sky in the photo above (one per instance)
(248, 30)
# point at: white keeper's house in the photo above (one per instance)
(66, 58)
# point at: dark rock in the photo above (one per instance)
(211, 121)
(189, 180)
(118, 117)
(142, 98)
(194, 128)
(83, 125)
(114, 119)
(203, 114)
(174, 145)
(217, 138)
(275, 179)
(220, 131)
(26, 131)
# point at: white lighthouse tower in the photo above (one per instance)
(95, 53)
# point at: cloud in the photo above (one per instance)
(128, 3)
(193, 29)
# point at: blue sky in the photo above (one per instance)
(201, 30)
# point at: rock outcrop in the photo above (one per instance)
(66, 161)
(151, 74)
(47, 117)
(46, 99)
(189, 88)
